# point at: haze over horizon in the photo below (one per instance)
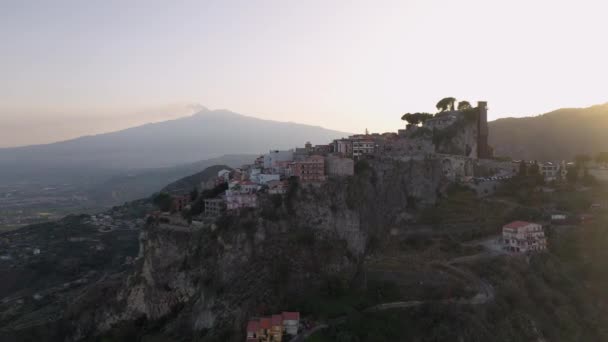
(78, 68)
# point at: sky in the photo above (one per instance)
(69, 68)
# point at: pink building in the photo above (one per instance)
(523, 237)
(238, 200)
(178, 203)
(252, 330)
(311, 169)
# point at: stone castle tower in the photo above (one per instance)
(483, 149)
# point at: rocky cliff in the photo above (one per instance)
(207, 282)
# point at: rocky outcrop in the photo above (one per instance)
(212, 279)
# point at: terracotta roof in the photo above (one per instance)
(517, 224)
(265, 323)
(277, 320)
(291, 316)
(253, 326)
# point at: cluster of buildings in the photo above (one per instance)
(524, 237)
(273, 328)
(270, 172)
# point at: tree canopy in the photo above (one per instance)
(447, 103)
(162, 201)
(416, 118)
(462, 105)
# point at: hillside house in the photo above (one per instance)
(253, 327)
(264, 329)
(311, 169)
(223, 176)
(277, 187)
(236, 200)
(553, 171)
(282, 168)
(272, 157)
(179, 202)
(276, 328)
(214, 206)
(322, 149)
(524, 237)
(363, 146)
(291, 322)
(264, 178)
(343, 147)
(243, 186)
(301, 153)
(558, 218)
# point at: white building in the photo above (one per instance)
(523, 237)
(362, 147)
(291, 322)
(273, 157)
(243, 186)
(553, 171)
(558, 217)
(224, 175)
(263, 178)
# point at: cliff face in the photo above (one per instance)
(212, 279)
(459, 138)
(453, 133)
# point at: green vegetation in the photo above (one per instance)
(565, 133)
(461, 206)
(337, 298)
(463, 105)
(416, 118)
(198, 206)
(447, 103)
(162, 201)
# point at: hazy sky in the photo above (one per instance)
(347, 65)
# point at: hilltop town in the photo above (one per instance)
(454, 141)
(455, 137)
(320, 241)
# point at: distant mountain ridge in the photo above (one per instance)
(558, 135)
(206, 134)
